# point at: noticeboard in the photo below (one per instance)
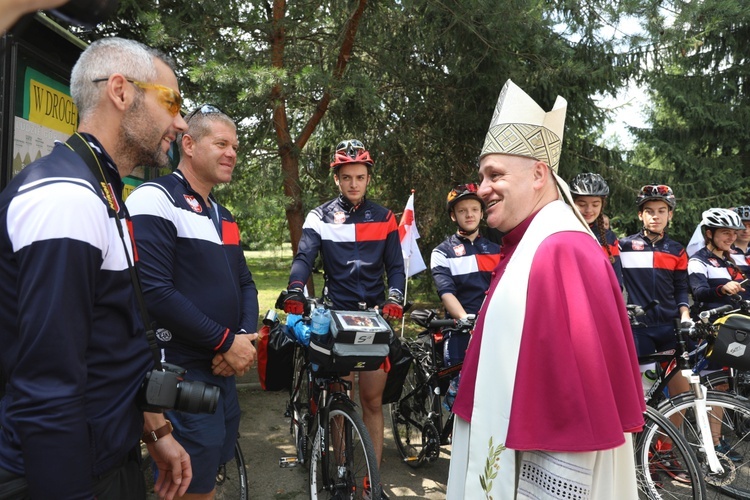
(43, 113)
(36, 108)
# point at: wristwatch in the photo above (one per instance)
(157, 434)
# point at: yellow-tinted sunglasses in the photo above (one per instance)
(169, 98)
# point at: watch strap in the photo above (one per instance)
(157, 434)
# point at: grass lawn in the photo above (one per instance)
(270, 269)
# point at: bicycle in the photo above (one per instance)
(231, 477)
(666, 466)
(420, 426)
(704, 414)
(329, 434)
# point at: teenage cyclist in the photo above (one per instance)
(714, 273)
(743, 236)
(654, 267)
(358, 240)
(462, 268)
(590, 193)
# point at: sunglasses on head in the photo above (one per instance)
(169, 98)
(350, 144)
(661, 190)
(471, 188)
(204, 109)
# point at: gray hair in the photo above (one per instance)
(199, 125)
(105, 57)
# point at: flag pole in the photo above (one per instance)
(406, 289)
(407, 260)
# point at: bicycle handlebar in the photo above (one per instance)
(704, 315)
(453, 323)
(443, 323)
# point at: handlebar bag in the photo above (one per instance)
(731, 347)
(359, 327)
(340, 357)
(358, 342)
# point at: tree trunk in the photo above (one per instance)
(288, 148)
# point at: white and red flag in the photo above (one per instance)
(407, 232)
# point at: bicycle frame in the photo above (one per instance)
(429, 366)
(680, 363)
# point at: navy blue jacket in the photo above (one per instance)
(196, 281)
(73, 345)
(655, 272)
(464, 268)
(611, 250)
(356, 243)
(707, 273)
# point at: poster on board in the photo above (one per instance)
(48, 114)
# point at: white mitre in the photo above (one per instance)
(521, 127)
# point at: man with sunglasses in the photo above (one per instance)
(74, 347)
(358, 240)
(197, 285)
(462, 268)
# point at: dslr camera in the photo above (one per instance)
(166, 390)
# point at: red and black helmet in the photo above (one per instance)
(463, 192)
(351, 151)
(656, 192)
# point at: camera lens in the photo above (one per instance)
(196, 397)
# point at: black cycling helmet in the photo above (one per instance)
(743, 212)
(656, 192)
(589, 184)
(463, 192)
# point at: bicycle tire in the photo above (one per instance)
(735, 430)
(359, 468)
(666, 475)
(300, 406)
(722, 377)
(410, 418)
(231, 478)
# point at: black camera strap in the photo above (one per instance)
(83, 149)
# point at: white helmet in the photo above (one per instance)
(719, 218)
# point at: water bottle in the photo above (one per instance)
(450, 394)
(300, 329)
(648, 378)
(319, 325)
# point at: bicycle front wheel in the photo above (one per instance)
(666, 467)
(343, 463)
(729, 419)
(231, 478)
(414, 433)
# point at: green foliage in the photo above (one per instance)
(699, 141)
(419, 88)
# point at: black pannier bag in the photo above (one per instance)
(400, 359)
(275, 358)
(732, 344)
